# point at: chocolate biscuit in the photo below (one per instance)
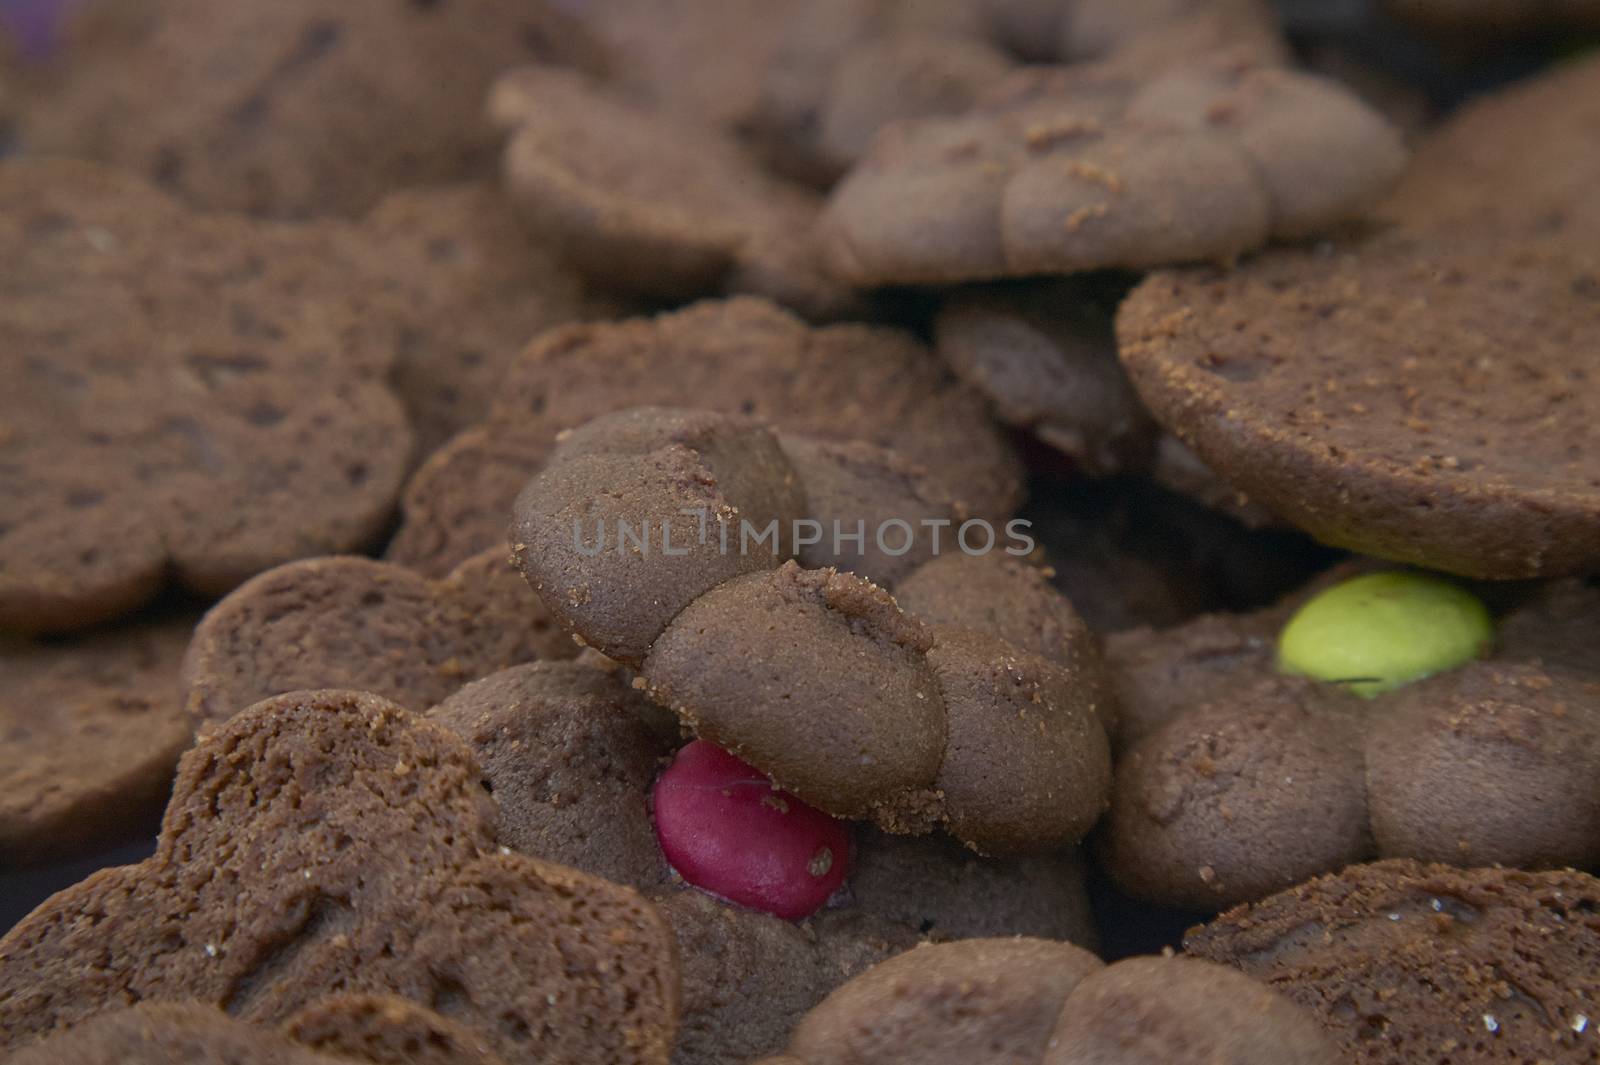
(1427, 965)
(367, 626)
(93, 728)
(292, 109)
(1046, 358)
(253, 427)
(161, 1033)
(1068, 170)
(385, 1030)
(1381, 429)
(741, 356)
(641, 201)
(330, 841)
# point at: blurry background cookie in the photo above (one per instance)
(93, 727)
(289, 109)
(191, 398)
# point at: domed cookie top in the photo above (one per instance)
(1032, 1001)
(660, 537)
(254, 428)
(292, 109)
(742, 356)
(1062, 171)
(1460, 436)
(1241, 779)
(1410, 964)
(361, 625)
(330, 841)
(93, 727)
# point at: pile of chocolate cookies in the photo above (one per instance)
(718, 531)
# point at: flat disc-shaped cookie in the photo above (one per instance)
(1422, 398)
(92, 728)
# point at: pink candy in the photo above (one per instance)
(726, 830)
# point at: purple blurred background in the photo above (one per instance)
(33, 23)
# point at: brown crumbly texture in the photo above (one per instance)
(1523, 158)
(1412, 964)
(476, 287)
(330, 841)
(696, 487)
(570, 753)
(1045, 356)
(740, 356)
(253, 428)
(1067, 170)
(385, 1030)
(1235, 800)
(168, 1033)
(1016, 716)
(1459, 439)
(292, 108)
(853, 486)
(364, 625)
(957, 1003)
(92, 728)
(739, 665)
(663, 207)
(1160, 1011)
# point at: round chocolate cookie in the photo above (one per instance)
(662, 207)
(367, 626)
(1068, 170)
(93, 727)
(290, 109)
(254, 426)
(1034, 1002)
(1312, 381)
(326, 842)
(1046, 358)
(1411, 964)
(740, 356)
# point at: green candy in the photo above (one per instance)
(1377, 632)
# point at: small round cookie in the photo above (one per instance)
(313, 112)
(254, 428)
(1045, 356)
(1034, 1002)
(740, 356)
(364, 625)
(1069, 170)
(330, 842)
(662, 207)
(93, 728)
(1379, 429)
(1412, 964)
